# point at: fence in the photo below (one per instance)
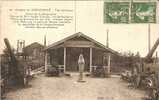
(5, 65)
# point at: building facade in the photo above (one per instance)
(65, 53)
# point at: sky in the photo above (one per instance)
(88, 20)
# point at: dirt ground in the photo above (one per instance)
(67, 88)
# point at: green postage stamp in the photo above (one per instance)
(129, 12)
(116, 12)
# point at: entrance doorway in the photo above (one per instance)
(72, 58)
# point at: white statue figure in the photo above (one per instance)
(81, 64)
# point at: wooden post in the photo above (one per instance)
(64, 59)
(46, 61)
(90, 60)
(107, 42)
(109, 57)
(156, 58)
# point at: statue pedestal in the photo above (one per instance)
(82, 81)
(80, 77)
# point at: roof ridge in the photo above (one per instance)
(80, 34)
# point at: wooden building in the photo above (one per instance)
(34, 55)
(34, 51)
(65, 53)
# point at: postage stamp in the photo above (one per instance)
(129, 12)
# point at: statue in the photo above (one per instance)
(81, 64)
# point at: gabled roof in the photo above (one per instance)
(79, 34)
(34, 45)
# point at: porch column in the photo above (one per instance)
(109, 57)
(46, 61)
(64, 59)
(90, 59)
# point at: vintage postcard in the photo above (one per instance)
(79, 49)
